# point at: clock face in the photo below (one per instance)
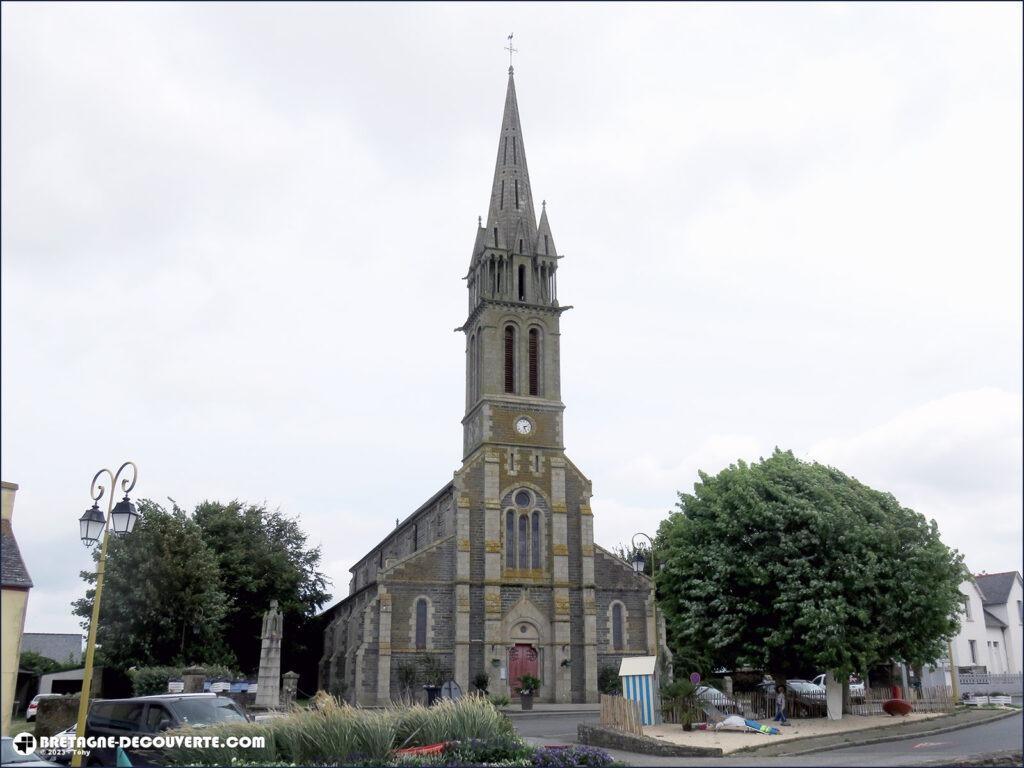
(523, 426)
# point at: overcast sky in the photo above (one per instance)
(234, 237)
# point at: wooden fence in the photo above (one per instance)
(936, 698)
(624, 714)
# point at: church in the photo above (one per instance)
(497, 572)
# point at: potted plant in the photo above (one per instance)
(433, 674)
(480, 681)
(528, 685)
(681, 696)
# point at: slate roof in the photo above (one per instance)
(991, 620)
(995, 587)
(12, 568)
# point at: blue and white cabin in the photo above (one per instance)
(640, 684)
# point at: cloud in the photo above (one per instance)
(956, 459)
(233, 240)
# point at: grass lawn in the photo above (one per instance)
(18, 725)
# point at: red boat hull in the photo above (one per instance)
(897, 707)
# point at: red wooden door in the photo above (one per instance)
(522, 660)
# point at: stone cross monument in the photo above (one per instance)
(268, 690)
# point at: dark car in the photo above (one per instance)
(151, 715)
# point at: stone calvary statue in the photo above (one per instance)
(268, 690)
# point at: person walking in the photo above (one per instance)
(780, 706)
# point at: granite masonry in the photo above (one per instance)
(497, 572)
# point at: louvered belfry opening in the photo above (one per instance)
(510, 354)
(534, 351)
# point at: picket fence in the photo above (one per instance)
(935, 698)
(621, 713)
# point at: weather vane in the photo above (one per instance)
(510, 50)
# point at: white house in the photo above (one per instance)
(1004, 620)
(991, 637)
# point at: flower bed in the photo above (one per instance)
(471, 730)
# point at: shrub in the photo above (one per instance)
(481, 680)
(147, 681)
(571, 757)
(432, 672)
(499, 700)
(486, 751)
(608, 681)
(529, 684)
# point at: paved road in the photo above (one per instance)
(1000, 736)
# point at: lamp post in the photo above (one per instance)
(638, 567)
(94, 526)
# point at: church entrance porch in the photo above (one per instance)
(523, 659)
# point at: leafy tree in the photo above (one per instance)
(44, 665)
(162, 596)
(262, 556)
(786, 565)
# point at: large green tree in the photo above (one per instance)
(263, 556)
(162, 597)
(192, 589)
(792, 566)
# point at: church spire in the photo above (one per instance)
(511, 221)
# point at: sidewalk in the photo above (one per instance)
(900, 730)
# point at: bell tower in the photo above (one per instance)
(513, 386)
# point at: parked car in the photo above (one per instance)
(857, 690)
(8, 756)
(149, 715)
(718, 699)
(33, 706)
(806, 699)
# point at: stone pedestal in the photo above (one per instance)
(289, 688)
(268, 690)
(192, 683)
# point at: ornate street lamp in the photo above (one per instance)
(638, 559)
(124, 516)
(94, 526)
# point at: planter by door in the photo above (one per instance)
(433, 693)
(526, 701)
(522, 660)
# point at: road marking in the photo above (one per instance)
(926, 744)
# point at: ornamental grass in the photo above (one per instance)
(334, 733)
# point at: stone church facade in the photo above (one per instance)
(498, 572)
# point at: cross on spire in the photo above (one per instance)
(510, 50)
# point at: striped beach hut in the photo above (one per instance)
(640, 684)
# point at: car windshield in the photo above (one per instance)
(207, 711)
(9, 756)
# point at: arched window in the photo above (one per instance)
(535, 539)
(510, 358)
(421, 624)
(534, 360)
(618, 642)
(510, 539)
(524, 542)
(522, 283)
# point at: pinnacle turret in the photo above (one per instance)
(545, 240)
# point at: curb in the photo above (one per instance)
(879, 739)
